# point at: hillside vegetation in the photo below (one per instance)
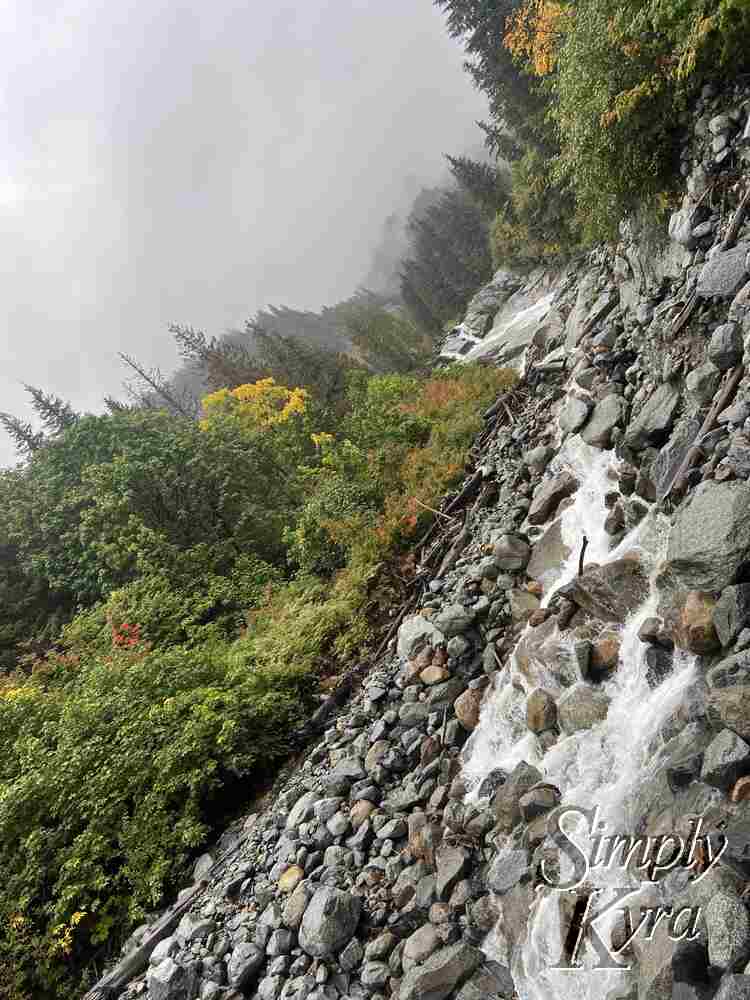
(172, 591)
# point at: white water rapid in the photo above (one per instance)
(605, 765)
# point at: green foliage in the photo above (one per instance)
(167, 546)
(537, 224)
(110, 763)
(449, 257)
(604, 82)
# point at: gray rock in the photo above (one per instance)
(167, 981)
(581, 707)
(343, 776)
(667, 462)
(732, 670)
(726, 758)
(575, 414)
(492, 982)
(549, 495)
(452, 864)
(454, 619)
(737, 413)
(351, 956)
(511, 553)
(726, 349)
(507, 870)
(538, 458)
(416, 632)
(375, 974)
(270, 987)
(244, 964)
(610, 592)
(441, 973)
(329, 922)
(702, 384)
(724, 273)
(506, 801)
(653, 423)
(734, 987)
(607, 414)
(167, 948)
(710, 538)
(728, 928)
(732, 612)
(421, 944)
(302, 810)
(730, 707)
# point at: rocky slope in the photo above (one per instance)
(582, 640)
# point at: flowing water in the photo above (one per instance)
(604, 766)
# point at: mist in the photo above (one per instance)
(193, 163)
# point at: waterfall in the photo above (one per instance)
(605, 765)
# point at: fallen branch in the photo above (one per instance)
(462, 540)
(136, 961)
(468, 491)
(736, 224)
(584, 546)
(683, 317)
(722, 400)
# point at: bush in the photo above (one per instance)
(110, 763)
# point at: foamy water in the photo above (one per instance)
(605, 765)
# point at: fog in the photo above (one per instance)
(192, 162)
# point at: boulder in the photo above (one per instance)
(541, 711)
(505, 803)
(734, 987)
(507, 869)
(452, 864)
(511, 553)
(540, 799)
(492, 982)
(244, 964)
(421, 944)
(549, 495)
(522, 605)
(610, 592)
(732, 612)
(725, 349)
(732, 670)
(652, 425)
(581, 707)
(724, 273)
(607, 414)
(167, 981)
(467, 708)
(697, 631)
(728, 929)
(730, 707)
(549, 553)
(726, 758)
(667, 462)
(329, 923)
(454, 619)
(574, 415)
(414, 634)
(441, 973)
(710, 538)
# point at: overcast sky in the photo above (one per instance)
(194, 161)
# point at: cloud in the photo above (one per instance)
(195, 162)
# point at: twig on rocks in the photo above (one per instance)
(721, 401)
(683, 317)
(736, 224)
(584, 546)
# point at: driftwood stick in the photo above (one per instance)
(723, 398)
(584, 546)
(735, 225)
(683, 317)
(462, 540)
(136, 961)
(468, 491)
